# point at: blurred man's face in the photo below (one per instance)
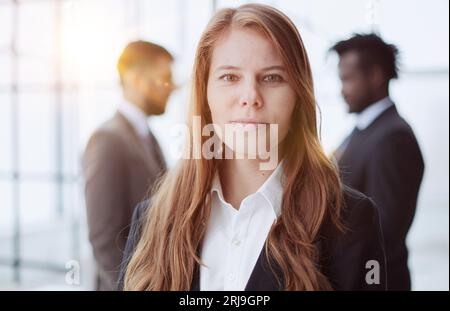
(356, 87)
(152, 86)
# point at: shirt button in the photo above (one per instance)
(236, 242)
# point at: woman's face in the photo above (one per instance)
(248, 85)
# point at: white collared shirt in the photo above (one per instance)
(137, 118)
(234, 238)
(368, 115)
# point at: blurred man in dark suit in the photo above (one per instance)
(122, 159)
(381, 157)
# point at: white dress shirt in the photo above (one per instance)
(368, 115)
(137, 118)
(234, 238)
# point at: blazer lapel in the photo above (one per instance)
(262, 277)
(195, 286)
(137, 144)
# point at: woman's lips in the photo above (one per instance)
(247, 125)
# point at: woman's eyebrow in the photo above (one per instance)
(276, 67)
(226, 67)
(230, 67)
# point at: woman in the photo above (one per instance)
(225, 224)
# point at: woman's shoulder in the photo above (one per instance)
(354, 198)
(352, 252)
(359, 215)
(136, 225)
(133, 238)
(356, 205)
(140, 210)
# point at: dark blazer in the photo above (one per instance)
(384, 162)
(343, 256)
(118, 172)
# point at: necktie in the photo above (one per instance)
(153, 150)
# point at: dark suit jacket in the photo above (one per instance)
(343, 256)
(384, 162)
(118, 172)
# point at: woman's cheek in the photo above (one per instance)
(218, 111)
(282, 107)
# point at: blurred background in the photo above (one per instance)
(58, 82)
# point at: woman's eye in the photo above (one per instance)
(273, 78)
(229, 78)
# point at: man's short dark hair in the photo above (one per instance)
(140, 53)
(373, 51)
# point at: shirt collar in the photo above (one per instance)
(136, 117)
(368, 115)
(271, 190)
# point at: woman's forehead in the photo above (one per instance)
(244, 48)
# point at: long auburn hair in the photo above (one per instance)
(167, 254)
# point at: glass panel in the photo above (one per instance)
(71, 156)
(5, 68)
(6, 222)
(45, 236)
(37, 133)
(96, 106)
(34, 70)
(37, 28)
(5, 210)
(6, 15)
(5, 133)
(6, 276)
(37, 203)
(93, 36)
(161, 23)
(230, 3)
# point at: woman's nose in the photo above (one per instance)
(251, 95)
